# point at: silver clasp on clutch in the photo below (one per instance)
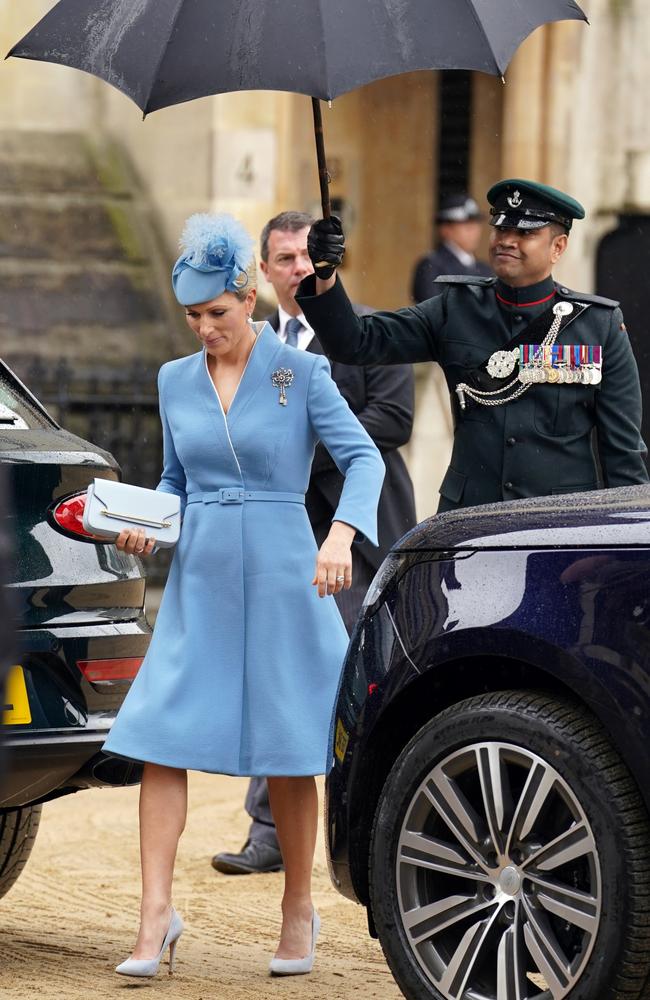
(137, 520)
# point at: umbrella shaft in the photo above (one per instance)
(323, 176)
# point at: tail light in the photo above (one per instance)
(67, 515)
(110, 671)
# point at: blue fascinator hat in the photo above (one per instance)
(216, 252)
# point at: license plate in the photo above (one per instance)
(341, 740)
(15, 705)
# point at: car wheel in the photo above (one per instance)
(18, 828)
(510, 858)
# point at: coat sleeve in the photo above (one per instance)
(618, 411)
(387, 412)
(173, 474)
(355, 455)
(385, 338)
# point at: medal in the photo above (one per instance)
(557, 364)
(588, 360)
(597, 376)
(502, 363)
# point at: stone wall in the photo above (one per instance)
(81, 274)
(35, 95)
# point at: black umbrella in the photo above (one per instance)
(164, 52)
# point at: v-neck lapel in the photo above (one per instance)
(261, 359)
(227, 412)
(206, 391)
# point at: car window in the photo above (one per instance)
(17, 406)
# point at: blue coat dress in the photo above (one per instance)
(243, 667)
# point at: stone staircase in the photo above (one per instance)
(83, 273)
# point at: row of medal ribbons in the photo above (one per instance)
(561, 363)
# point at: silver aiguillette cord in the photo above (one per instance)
(514, 388)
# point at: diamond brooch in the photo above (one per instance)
(281, 379)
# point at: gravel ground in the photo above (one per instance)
(72, 915)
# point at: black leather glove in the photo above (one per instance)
(326, 246)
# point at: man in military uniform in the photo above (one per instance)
(533, 368)
(460, 224)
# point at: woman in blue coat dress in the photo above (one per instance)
(243, 667)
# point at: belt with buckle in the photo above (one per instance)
(235, 495)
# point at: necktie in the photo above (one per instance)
(292, 329)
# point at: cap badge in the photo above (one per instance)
(515, 200)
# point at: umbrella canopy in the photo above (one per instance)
(165, 52)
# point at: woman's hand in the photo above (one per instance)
(135, 543)
(334, 560)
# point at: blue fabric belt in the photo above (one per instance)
(233, 494)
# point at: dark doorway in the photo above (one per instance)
(622, 274)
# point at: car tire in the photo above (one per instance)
(18, 829)
(514, 822)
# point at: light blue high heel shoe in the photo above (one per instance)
(150, 966)
(297, 966)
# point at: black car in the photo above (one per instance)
(489, 796)
(80, 633)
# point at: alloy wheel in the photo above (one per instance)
(498, 877)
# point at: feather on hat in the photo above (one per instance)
(216, 252)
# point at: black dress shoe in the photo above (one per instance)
(255, 856)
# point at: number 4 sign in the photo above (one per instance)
(245, 164)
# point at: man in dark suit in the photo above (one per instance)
(382, 399)
(460, 223)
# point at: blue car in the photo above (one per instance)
(489, 798)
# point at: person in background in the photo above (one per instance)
(460, 226)
(382, 400)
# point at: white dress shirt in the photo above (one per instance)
(305, 336)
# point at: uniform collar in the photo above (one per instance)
(532, 295)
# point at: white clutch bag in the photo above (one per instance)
(111, 507)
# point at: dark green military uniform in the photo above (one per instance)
(538, 444)
(575, 428)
